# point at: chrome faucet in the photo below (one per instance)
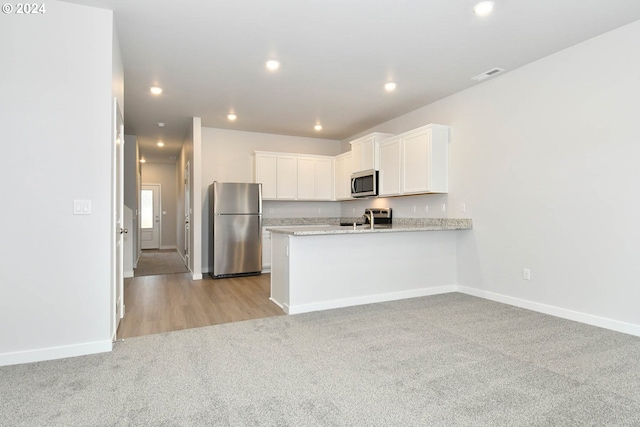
(370, 217)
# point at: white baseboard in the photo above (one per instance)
(169, 247)
(589, 319)
(369, 299)
(53, 353)
(128, 274)
(195, 276)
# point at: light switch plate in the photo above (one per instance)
(82, 207)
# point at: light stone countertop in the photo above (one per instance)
(427, 224)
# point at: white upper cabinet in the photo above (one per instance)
(389, 176)
(364, 151)
(343, 176)
(315, 178)
(415, 162)
(286, 176)
(324, 186)
(265, 173)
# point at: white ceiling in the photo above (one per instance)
(336, 55)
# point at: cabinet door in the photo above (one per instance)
(287, 177)
(323, 179)
(306, 178)
(265, 173)
(343, 176)
(369, 154)
(357, 157)
(416, 163)
(389, 176)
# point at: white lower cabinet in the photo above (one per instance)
(415, 162)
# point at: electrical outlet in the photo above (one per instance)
(463, 207)
(444, 207)
(414, 208)
(526, 274)
(426, 208)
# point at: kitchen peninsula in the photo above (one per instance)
(319, 268)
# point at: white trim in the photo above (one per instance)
(280, 305)
(195, 276)
(53, 353)
(169, 247)
(589, 319)
(369, 299)
(128, 274)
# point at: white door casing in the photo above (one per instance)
(150, 216)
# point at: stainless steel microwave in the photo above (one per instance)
(364, 184)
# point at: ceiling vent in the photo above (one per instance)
(487, 74)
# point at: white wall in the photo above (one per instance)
(227, 156)
(165, 175)
(546, 159)
(56, 113)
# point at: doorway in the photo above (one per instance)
(150, 205)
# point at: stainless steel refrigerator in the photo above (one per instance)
(236, 229)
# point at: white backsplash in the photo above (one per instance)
(292, 209)
(404, 206)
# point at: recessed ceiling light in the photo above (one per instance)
(232, 117)
(483, 8)
(161, 124)
(160, 144)
(156, 90)
(318, 127)
(390, 86)
(142, 160)
(272, 65)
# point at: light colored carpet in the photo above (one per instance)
(447, 360)
(156, 262)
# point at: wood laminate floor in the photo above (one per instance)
(171, 302)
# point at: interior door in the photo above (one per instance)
(150, 216)
(118, 219)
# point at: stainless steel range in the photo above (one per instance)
(378, 217)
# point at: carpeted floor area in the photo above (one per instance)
(446, 360)
(155, 262)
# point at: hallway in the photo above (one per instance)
(171, 302)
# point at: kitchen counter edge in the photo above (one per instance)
(439, 224)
